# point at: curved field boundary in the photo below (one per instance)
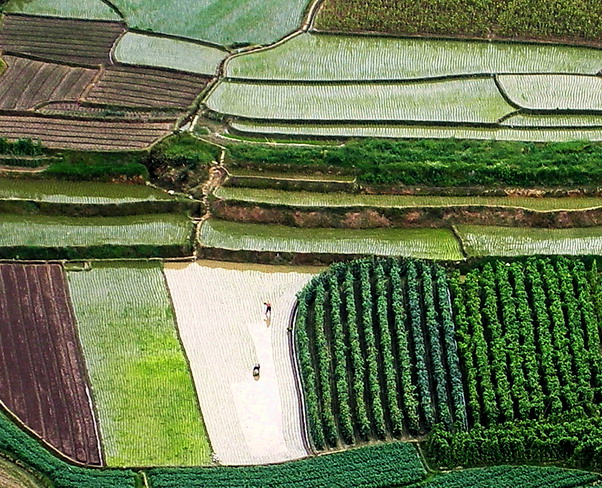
(224, 333)
(27, 83)
(42, 365)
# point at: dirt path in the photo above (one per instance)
(220, 315)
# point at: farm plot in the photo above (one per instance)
(459, 101)
(312, 57)
(87, 9)
(165, 52)
(27, 83)
(402, 377)
(420, 243)
(38, 236)
(332, 131)
(529, 341)
(82, 43)
(42, 373)
(225, 334)
(132, 86)
(557, 121)
(309, 199)
(148, 411)
(78, 192)
(554, 92)
(89, 134)
(14, 476)
(510, 241)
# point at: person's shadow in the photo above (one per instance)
(268, 320)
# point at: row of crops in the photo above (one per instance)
(501, 364)
(390, 325)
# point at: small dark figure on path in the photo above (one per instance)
(256, 371)
(268, 310)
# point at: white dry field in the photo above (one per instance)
(219, 309)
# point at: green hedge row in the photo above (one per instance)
(107, 251)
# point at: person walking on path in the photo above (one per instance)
(268, 310)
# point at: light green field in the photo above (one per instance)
(473, 100)
(517, 241)
(337, 58)
(78, 9)
(279, 130)
(418, 243)
(145, 398)
(78, 192)
(554, 92)
(249, 173)
(164, 52)
(311, 199)
(524, 120)
(13, 476)
(45, 231)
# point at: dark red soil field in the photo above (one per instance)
(26, 83)
(83, 43)
(42, 374)
(86, 134)
(131, 86)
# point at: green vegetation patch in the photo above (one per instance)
(78, 193)
(64, 232)
(337, 58)
(442, 163)
(147, 406)
(532, 19)
(459, 101)
(309, 199)
(165, 52)
(84, 9)
(14, 476)
(394, 464)
(423, 243)
(512, 241)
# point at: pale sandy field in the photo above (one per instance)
(220, 314)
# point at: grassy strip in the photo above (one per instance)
(393, 464)
(444, 163)
(512, 241)
(422, 243)
(143, 390)
(311, 199)
(532, 19)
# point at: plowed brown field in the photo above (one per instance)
(83, 43)
(42, 375)
(27, 83)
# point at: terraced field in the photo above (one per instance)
(505, 241)
(74, 42)
(26, 83)
(422, 243)
(309, 199)
(77, 9)
(147, 406)
(13, 476)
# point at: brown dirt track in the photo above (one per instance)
(83, 43)
(42, 376)
(132, 86)
(27, 83)
(87, 134)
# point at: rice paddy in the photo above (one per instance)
(77, 9)
(165, 52)
(419, 243)
(339, 57)
(512, 241)
(458, 101)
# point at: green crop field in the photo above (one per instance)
(465, 101)
(333, 131)
(43, 231)
(554, 92)
(338, 58)
(164, 52)
(422, 243)
(84, 9)
(331, 199)
(510, 241)
(146, 402)
(78, 192)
